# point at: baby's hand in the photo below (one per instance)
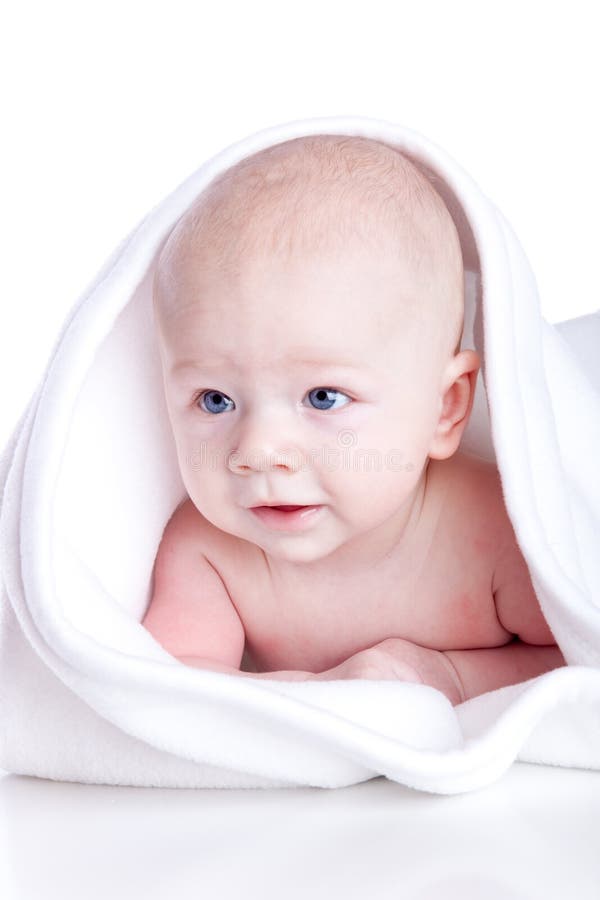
(376, 663)
(395, 659)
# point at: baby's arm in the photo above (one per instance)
(517, 606)
(531, 652)
(459, 674)
(191, 613)
(533, 649)
(490, 668)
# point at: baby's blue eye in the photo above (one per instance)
(214, 399)
(216, 402)
(323, 395)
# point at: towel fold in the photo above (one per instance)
(89, 479)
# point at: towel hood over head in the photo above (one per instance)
(89, 479)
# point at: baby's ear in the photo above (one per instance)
(458, 389)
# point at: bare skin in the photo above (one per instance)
(417, 621)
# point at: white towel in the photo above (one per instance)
(90, 478)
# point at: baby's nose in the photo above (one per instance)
(264, 444)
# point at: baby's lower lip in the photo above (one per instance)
(286, 518)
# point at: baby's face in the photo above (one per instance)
(306, 382)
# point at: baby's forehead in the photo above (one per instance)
(287, 335)
(308, 197)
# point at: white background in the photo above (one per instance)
(107, 106)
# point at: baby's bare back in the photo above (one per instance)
(442, 598)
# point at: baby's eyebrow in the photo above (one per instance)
(225, 362)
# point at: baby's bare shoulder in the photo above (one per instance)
(474, 499)
(475, 470)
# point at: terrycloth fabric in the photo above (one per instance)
(90, 479)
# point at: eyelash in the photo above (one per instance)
(202, 393)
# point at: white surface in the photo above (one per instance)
(533, 834)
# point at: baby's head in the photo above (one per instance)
(309, 308)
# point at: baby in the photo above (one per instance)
(309, 311)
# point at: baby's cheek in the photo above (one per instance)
(203, 481)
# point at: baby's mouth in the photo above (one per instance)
(286, 508)
(287, 517)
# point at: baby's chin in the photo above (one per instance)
(295, 552)
(293, 548)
